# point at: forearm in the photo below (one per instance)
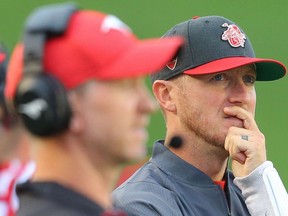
(264, 191)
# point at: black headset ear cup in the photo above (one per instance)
(42, 102)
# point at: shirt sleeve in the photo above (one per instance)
(264, 191)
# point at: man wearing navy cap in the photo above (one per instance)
(208, 100)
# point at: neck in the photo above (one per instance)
(64, 161)
(209, 159)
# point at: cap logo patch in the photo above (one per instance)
(112, 22)
(234, 35)
(171, 65)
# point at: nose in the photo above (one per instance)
(147, 104)
(241, 94)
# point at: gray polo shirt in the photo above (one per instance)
(169, 186)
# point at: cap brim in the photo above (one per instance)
(267, 69)
(143, 58)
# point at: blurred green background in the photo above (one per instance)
(265, 23)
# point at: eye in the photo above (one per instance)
(219, 77)
(249, 79)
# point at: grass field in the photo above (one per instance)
(263, 21)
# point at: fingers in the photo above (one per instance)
(243, 140)
(247, 117)
(247, 154)
(246, 146)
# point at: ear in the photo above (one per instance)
(163, 92)
(76, 122)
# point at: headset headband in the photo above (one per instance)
(43, 23)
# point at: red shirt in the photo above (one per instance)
(11, 173)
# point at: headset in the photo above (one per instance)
(40, 98)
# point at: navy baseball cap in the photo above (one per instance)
(214, 44)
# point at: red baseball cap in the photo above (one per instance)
(96, 46)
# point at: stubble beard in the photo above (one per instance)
(198, 123)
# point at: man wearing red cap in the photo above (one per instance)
(77, 82)
(207, 96)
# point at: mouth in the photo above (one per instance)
(234, 121)
(141, 131)
(140, 128)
